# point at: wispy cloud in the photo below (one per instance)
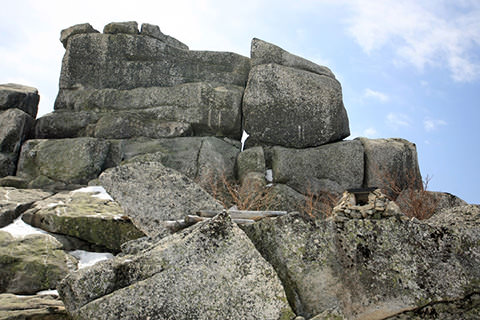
(397, 120)
(377, 95)
(433, 124)
(437, 33)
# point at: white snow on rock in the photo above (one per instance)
(87, 259)
(99, 192)
(20, 229)
(269, 175)
(48, 292)
(245, 136)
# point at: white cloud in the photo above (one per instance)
(370, 133)
(424, 34)
(397, 120)
(377, 95)
(433, 124)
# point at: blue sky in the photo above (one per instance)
(408, 69)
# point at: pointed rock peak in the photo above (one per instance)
(263, 52)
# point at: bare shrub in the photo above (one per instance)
(418, 204)
(245, 197)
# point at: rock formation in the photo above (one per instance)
(159, 127)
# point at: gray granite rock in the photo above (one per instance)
(293, 108)
(73, 30)
(209, 271)
(21, 97)
(151, 194)
(332, 168)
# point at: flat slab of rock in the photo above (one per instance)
(38, 307)
(13, 202)
(127, 60)
(32, 263)
(21, 97)
(372, 269)
(88, 214)
(209, 271)
(330, 168)
(151, 194)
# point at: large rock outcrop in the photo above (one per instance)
(38, 307)
(152, 194)
(372, 268)
(174, 91)
(291, 102)
(209, 271)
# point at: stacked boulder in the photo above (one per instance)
(18, 110)
(153, 122)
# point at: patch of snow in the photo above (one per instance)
(44, 292)
(245, 136)
(19, 229)
(54, 204)
(269, 175)
(87, 259)
(99, 191)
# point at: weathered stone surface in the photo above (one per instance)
(250, 160)
(73, 30)
(37, 307)
(200, 159)
(371, 269)
(285, 198)
(13, 202)
(14, 126)
(263, 52)
(64, 124)
(293, 108)
(31, 264)
(67, 161)
(133, 124)
(209, 271)
(391, 165)
(127, 61)
(151, 193)
(210, 108)
(129, 27)
(13, 181)
(430, 202)
(330, 168)
(86, 215)
(20, 97)
(7, 163)
(154, 31)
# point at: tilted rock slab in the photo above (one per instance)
(329, 168)
(208, 271)
(291, 102)
(31, 264)
(150, 194)
(372, 269)
(84, 215)
(13, 202)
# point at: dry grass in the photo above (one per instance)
(319, 205)
(245, 197)
(418, 204)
